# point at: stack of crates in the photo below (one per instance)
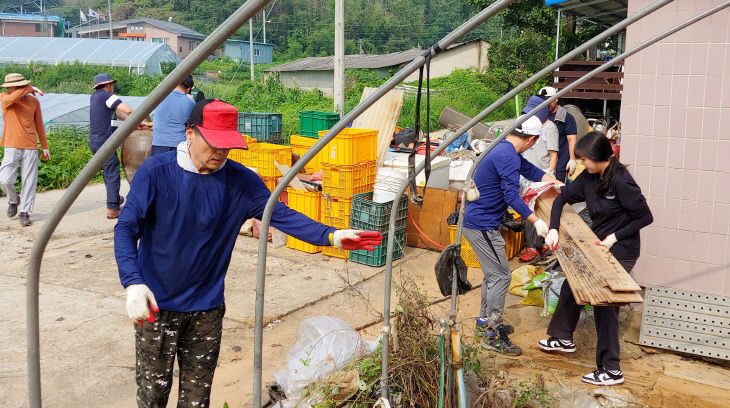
(261, 156)
(348, 168)
(371, 216)
(243, 156)
(307, 203)
(265, 127)
(299, 146)
(512, 243)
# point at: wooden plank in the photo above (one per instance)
(611, 96)
(578, 74)
(381, 116)
(591, 86)
(594, 275)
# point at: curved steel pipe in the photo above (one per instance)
(445, 42)
(394, 210)
(210, 44)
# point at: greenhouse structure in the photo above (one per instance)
(139, 57)
(71, 109)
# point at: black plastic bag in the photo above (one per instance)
(448, 260)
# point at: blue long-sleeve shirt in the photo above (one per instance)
(187, 224)
(498, 181)
(169, 120)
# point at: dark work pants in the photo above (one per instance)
(195, 338)
(532, 240)
(161, 149)
(111, 180)
(565, 320)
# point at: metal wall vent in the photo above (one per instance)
(685, 321)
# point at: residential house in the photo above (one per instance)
(263, 53)
(181, 39)
(30, 25)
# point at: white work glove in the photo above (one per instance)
(46, 155)
(551, 240)
(352, 239)
(138, 296)
(541, 227)
(608, 242)
(570, 168)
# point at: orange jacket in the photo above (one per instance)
(23, 120)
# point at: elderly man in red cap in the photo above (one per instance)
(23, 121)
(173, 244)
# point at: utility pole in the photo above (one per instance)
(250, 45)
(360, 42)
(111, 31)
(264, 11)
(45, 20)
(339, 74)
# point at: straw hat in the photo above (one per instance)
(14, 79)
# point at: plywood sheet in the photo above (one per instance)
(431, 219)
(381, 116)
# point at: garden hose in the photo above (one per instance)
(458, 367)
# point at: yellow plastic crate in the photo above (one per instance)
(346, 181)
(264, 155)
(270, 182)
(242, 156)
(299, 146)
(249, 139)
(335, 252)
(305, 202)
(336, 211)
(512, 240)
(300, 245)
(350, 146)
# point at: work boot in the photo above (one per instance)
(482, 329)
(24, 219)
(529, 255)
(499, 341)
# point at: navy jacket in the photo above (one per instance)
(187, 224)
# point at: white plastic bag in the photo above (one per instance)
(325, 343)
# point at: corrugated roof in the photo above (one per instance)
(607, 12)
(141, 56)
(370, 61)
(175, 28)
(28, 17)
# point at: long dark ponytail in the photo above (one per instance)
(595, 146)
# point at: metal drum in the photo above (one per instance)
(135, 150)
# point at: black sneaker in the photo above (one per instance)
(24, 219)
(499, 342)
(12, 210)
(481, 329)
(604, 377)
(555, 344)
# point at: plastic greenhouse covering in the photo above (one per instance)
(139, 57)
(71, 109)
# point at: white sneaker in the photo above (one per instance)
(604, 377)
(555, 344)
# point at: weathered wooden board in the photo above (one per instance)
(594, 275)
(381, 116)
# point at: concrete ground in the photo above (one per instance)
(87, 340)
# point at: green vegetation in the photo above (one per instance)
(70, 152)
(532, 392)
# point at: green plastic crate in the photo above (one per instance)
(264, 127)
(311, 122)
(371, 216)
(379, 255)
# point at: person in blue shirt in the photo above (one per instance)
(170, 116)
(497, 186)
(106, 111)
(173, 245)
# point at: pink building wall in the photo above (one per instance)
(675, 116)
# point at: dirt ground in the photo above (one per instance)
(87, 340)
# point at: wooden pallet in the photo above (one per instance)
(595, 276)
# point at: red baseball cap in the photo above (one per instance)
(217, 121)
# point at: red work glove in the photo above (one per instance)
(46, 155)
(352, 239)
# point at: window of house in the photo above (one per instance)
(256, 52)
(180, 48)
(37, 28)
(192, 45)
(161, 40)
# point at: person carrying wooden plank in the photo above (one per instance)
(497, 186)
(618, 210)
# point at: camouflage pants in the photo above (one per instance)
(195, 338)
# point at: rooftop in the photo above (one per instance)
(370, 61)
(28, 17)
(604, 12)
(175, 28)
